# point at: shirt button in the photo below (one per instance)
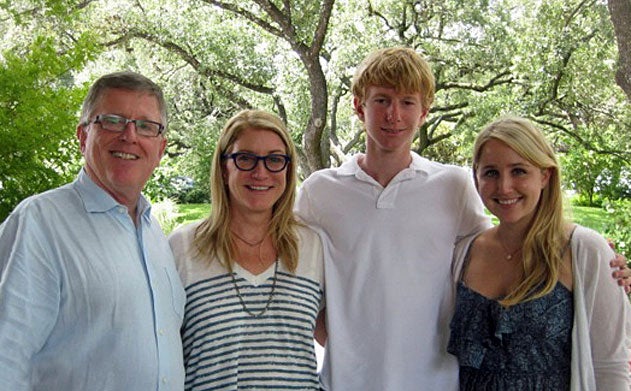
(122, 209)
(161, 331)
(164, 380)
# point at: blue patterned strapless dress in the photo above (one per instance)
(525, 347)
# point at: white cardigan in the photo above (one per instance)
(601, 332)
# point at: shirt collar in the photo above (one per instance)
(418, 165)
(96, 200)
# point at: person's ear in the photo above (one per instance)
(163, 146)
(546, 174)
(359, 108)
(424, 116)
(82, 135)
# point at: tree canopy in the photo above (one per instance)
(554, 61)
(38, 111)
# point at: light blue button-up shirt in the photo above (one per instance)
(88, 301)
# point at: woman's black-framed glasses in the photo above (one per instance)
(245, 161)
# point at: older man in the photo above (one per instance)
(89, 295)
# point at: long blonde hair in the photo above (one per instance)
(545, 238)
(213, 238)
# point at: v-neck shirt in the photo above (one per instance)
(225, 347)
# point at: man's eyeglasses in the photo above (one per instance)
(116, 123)
(245, 161)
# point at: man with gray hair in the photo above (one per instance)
(89, 295)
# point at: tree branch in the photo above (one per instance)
(323, 23)
(247, 15)
(189, 58)
(623, 154)
(501, 78)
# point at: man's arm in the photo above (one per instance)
(29, 299)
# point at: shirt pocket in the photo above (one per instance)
(178, 296)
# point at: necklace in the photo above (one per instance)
(269, 298)
(509, 255)
(251, 244)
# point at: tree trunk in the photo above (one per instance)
(620, 11)
(315, 152)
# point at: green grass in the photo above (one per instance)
(594, 218)
(187, 213)
(591, 217)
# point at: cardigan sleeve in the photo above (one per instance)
(601, 317)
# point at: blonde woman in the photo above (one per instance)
(536, 306)
(253, 275)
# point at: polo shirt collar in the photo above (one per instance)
(419, 165)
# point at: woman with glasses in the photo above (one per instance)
(253, 274)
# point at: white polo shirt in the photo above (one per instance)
(388, 256)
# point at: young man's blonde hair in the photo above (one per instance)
(400, 68)
(545, 240)
(213, 238)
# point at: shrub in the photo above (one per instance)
(166, 212)
(618, 229)
(196, 195)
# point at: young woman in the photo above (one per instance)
(536, 306)
(253, 275)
